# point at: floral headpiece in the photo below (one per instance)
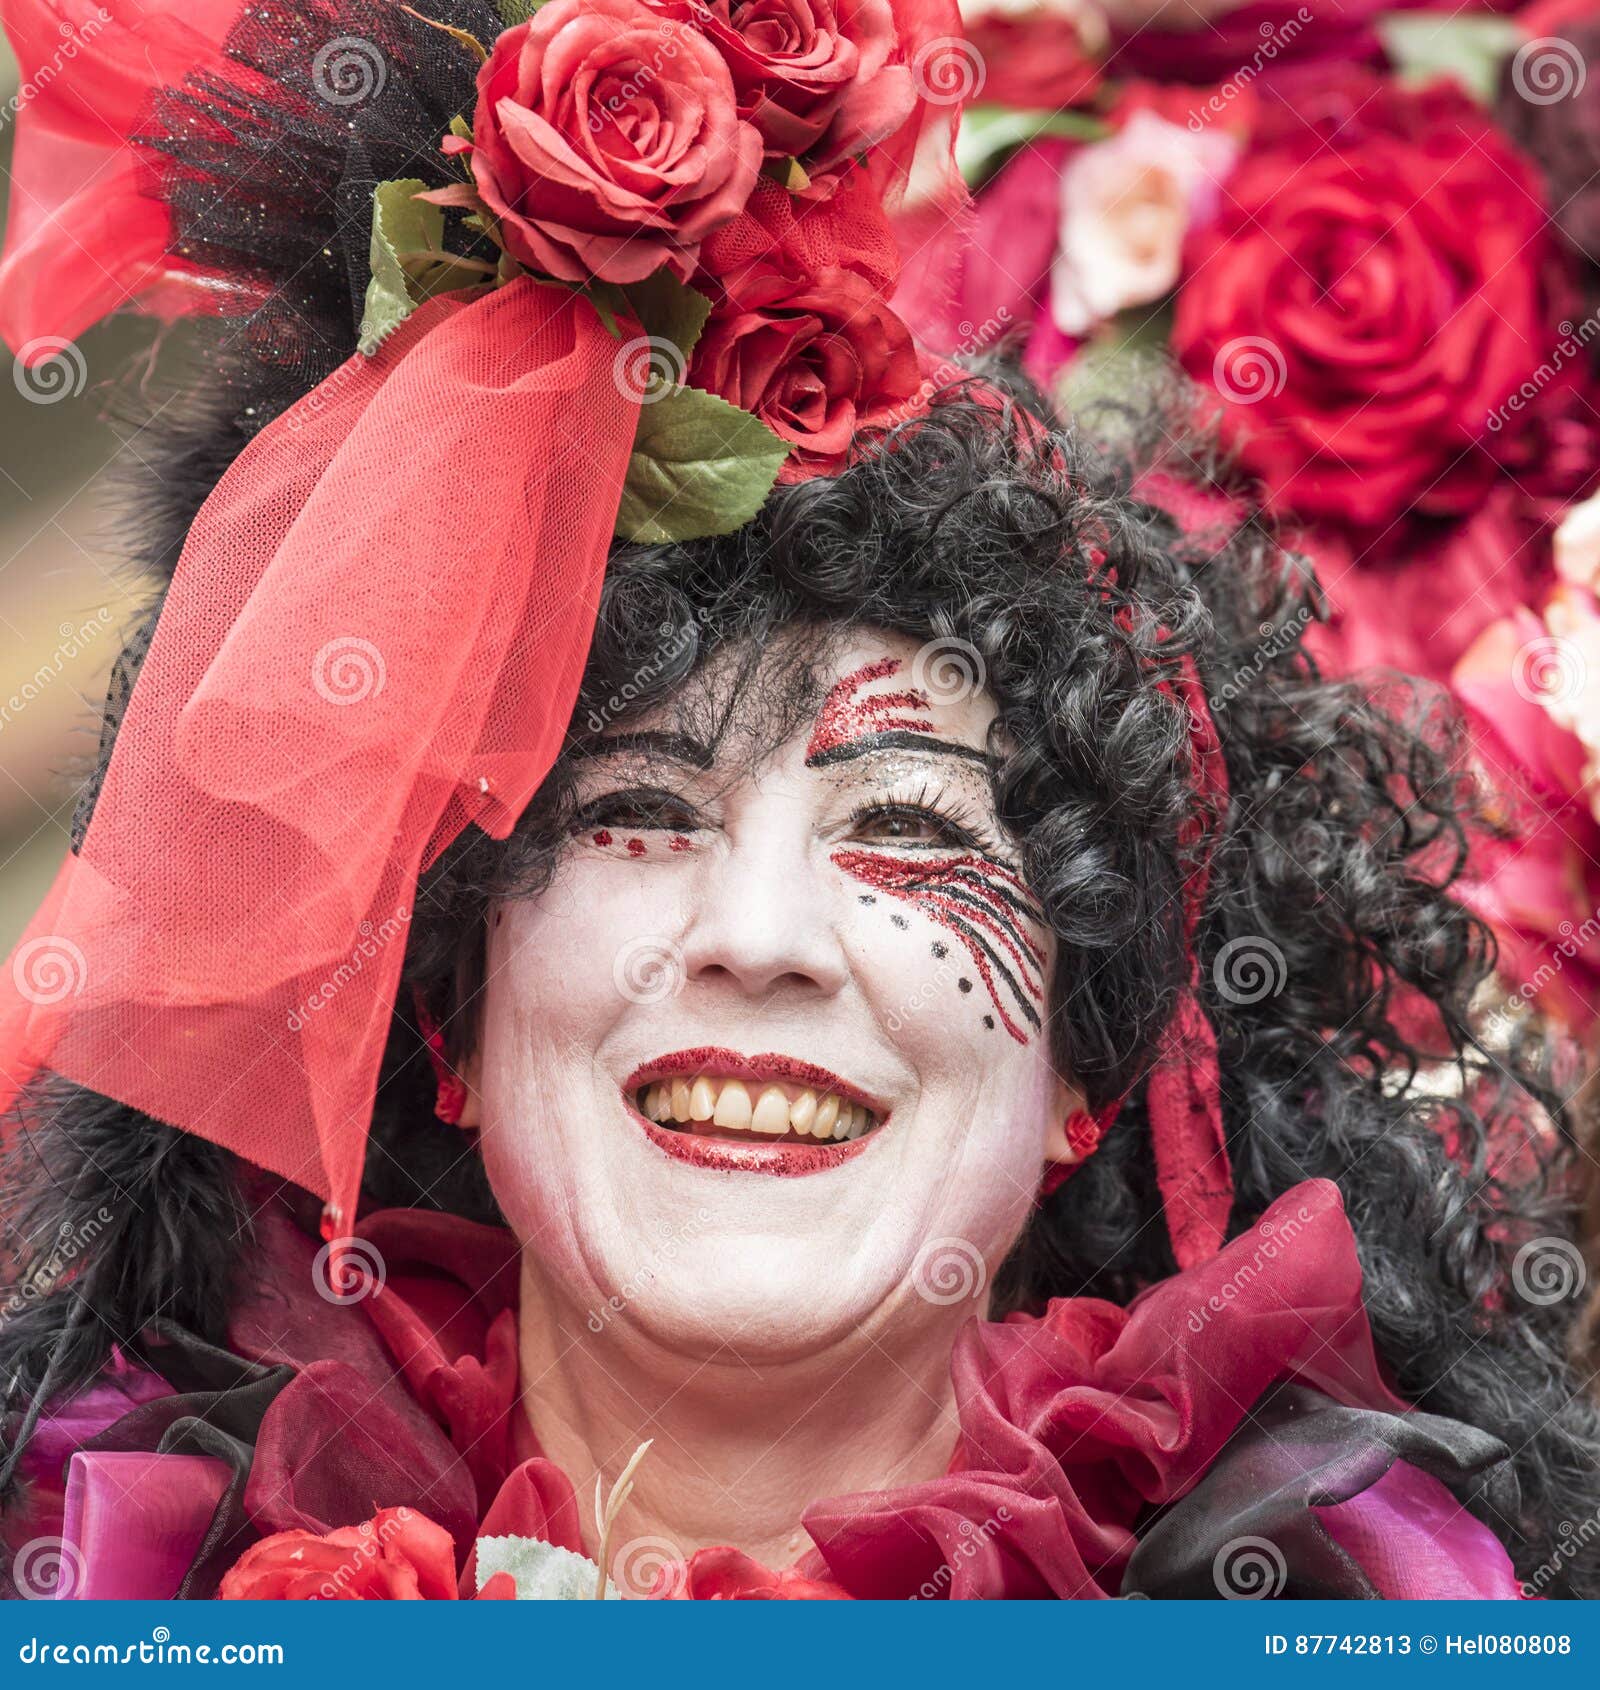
(646, 267)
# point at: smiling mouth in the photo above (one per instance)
(767, 1114)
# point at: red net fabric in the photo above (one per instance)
(374, 637)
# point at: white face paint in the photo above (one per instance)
(843, 919)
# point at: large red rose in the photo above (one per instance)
(818, 361)
(607, 141)
(1370, 298)
(728, 1575)
(397, 1556)
(814, 76)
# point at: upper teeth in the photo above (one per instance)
(772, 1109)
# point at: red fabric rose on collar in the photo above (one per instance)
(608, 142)
(397, 1556)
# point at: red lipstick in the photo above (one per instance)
(763, 1069)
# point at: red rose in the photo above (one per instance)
(728, 1575)
(813, 75)
(818, 361)
(397, 1556)
(607, 141)
(1370, 298)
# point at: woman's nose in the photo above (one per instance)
(765, 916)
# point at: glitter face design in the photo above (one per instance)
(977, 900)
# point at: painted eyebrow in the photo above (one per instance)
(681, 748)
(897, 739)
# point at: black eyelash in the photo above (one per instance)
(655, 802)
(957, 815)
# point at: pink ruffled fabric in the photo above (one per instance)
(134, 1522)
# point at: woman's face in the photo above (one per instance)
(766, 1063)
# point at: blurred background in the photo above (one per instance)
(63, 599)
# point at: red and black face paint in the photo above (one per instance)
(983, 906)
(850, 725)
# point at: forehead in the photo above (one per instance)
(831, 695)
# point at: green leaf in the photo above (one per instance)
(989, 133)
(460, 128)
(513, 12)
(700, 466)
(409, 263)
(1118, 358)
(1423, 45)
(669, 310)
(543, 1572)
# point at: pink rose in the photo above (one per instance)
(608, 141)
(1126, 205)
(812, 75)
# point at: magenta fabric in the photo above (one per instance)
(1413, 1539)
(133, 1522)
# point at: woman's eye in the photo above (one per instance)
(909, 825)
(638, 812)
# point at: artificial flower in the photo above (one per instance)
(816, 77)
(1576, 545)
(1215, 41)
(817, 361)
(1126, 205)
(1037, 55)
(729, 1575)
(398, 1555)
(607, 141)
(1370, 299)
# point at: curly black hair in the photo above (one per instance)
(1347, 825)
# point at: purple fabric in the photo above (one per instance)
(134, 1522)
(1414, 1540)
